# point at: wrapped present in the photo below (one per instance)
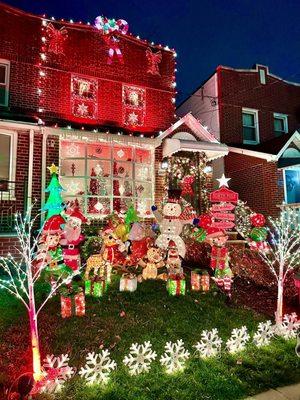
(196, 280)
(96, 286)
(219, 256)
(176, 285)
(72, 304)
(128, 283)
(224, 283)
(205, 282)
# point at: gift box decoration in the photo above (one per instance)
(219, 256)
(128, 283)
(73, 304)
(205, 282)
(196, 280)
(96, 286)
(99, 267)
(176, 285)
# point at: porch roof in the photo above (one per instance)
(212, 150)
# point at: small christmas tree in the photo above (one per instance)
(54, 204)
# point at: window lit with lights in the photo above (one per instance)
(280, 124)
(4, 82)
(105, 176)
(250, 126)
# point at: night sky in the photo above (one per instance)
(205, 34)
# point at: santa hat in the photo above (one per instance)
(77, 214)
(53, 224)
(174, 195)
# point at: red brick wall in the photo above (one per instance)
(85, 53)
(243, 89)
(256, 182)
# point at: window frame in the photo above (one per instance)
(111, 178)
(284, 117)
(12, 162)
(6, 63)
(256, 125)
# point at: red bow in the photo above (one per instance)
(56, 39)
(153, 60)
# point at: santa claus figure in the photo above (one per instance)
(72, 238)
(173, 261)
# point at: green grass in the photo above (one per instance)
(151, 314)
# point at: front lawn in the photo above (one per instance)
(119, 319)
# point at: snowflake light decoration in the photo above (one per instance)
(264, 333)
(133, 118)
(175, 356)
(98, 367)
(57, 372)
(140, 358)
(289, 327)
(210, 343)
(238, 340)
(82, 109)
(72, 150)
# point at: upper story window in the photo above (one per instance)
(250, 126)
(8, 144)
(280, 124)
(4, 82)
(84, 97)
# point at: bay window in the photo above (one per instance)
(107, 176)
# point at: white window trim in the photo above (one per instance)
(255, 113)
(285, 121)
(13, 161)
(7, 75)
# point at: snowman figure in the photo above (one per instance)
(171, 222)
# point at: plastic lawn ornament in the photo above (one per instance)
(54, 204)
(98, 368)
(238, 340)
(176, 285)
(289, 327)
(264, 334)
(258, 220)
(210, 344)
(175, 356)
(140, 358)
(199, 234)
(259, 234)
(131, 217)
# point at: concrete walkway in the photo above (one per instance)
(284, 393)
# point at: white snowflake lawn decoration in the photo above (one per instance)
(57, 371)
(210, 343)
(264, 333)
(237, 340)
(140, 358)
(289, 326)
(98, 367)
(174, 357)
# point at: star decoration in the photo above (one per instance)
(133, 118)
(223, 181)
(53, 169)
(82, 109)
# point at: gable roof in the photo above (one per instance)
(196, 127)
(271, 150)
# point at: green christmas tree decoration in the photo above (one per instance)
(54, 204)
(131, 216)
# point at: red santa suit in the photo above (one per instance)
(71, 240)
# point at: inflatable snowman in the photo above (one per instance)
(171, 222)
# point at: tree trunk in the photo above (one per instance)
(35, 346)
(279, 311)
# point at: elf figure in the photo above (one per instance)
(49, 253)
(72, 238)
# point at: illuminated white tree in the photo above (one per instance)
(21, 275)
(284, 253)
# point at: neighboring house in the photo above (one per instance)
(64, 100)
(256, 114)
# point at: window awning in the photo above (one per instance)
(212, 150)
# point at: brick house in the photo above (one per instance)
(99, 115)
(256, 114)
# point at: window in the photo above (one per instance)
(292, 185)
(84, 97)
(106, 176)
(7, 159)
(280, 124)
(134, 106)
(4, 82)
(250, 126)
